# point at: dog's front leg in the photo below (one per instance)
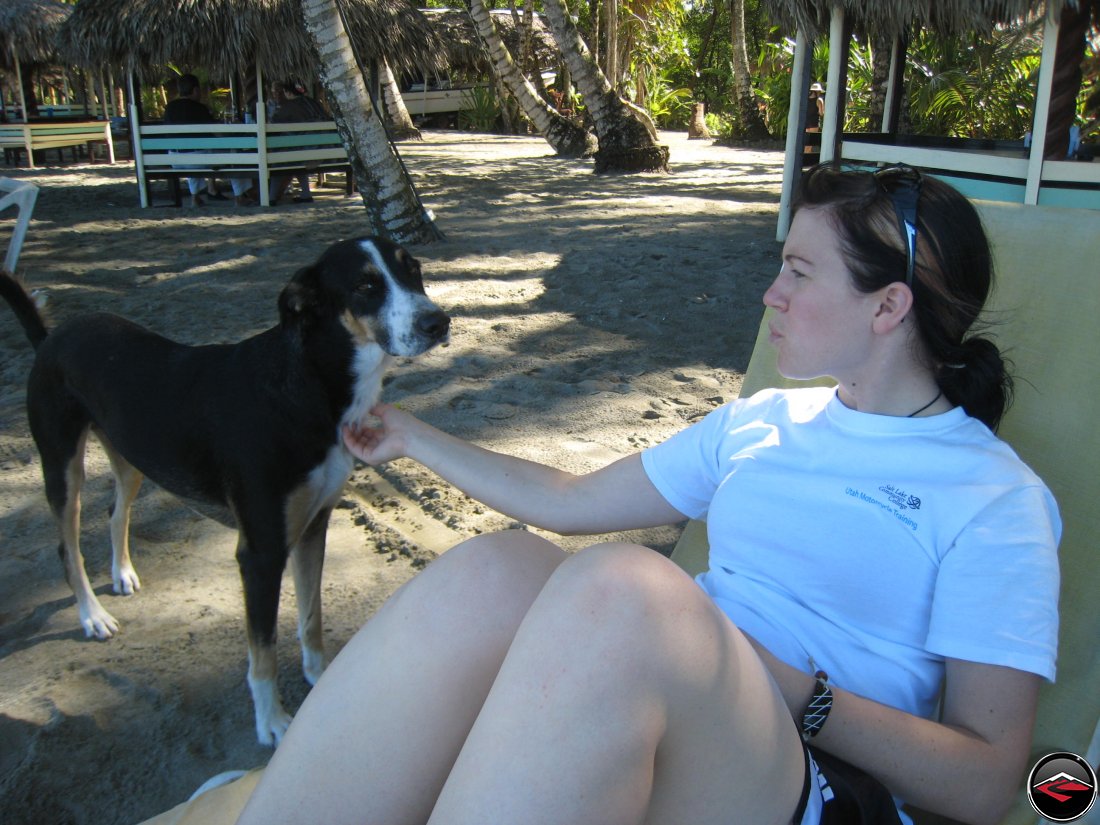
(307, 560)
(261, 574)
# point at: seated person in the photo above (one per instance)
(186, 108)
(878, 616)
(294, 106)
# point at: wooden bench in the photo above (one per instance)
(39, 136)
(232, 150)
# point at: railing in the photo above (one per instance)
(234, 150)
(985, 170)
(38, 136)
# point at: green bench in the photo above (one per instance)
(40, 136)
(235, 150)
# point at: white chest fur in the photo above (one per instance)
(326, 480)
(368, 367)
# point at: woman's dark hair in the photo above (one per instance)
(952, 278)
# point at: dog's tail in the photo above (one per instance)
(24, 307)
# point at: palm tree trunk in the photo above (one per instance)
(398, 120)
(752, 124)
(393, 207)
(627, 136)
(567, 138)
(881, 49)
(611, 9)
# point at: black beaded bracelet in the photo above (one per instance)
(813, 719)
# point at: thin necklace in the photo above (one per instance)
(926, 406)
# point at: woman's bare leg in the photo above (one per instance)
(627, 697)
(376, 738)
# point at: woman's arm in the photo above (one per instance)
(968, 766)
(617, 497)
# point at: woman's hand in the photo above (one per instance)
(378, 444)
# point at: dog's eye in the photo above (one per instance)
(367, 286)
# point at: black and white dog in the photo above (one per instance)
(249, 433)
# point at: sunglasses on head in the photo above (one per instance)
(901, 184)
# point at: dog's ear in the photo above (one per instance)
(300, 300)
(410, 263)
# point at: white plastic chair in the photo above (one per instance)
(22, 195)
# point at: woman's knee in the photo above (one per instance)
(626, 576)
(495, 572)
(631, 593)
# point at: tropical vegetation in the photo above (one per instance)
(669, 54)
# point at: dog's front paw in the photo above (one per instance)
(126, 580)
(97, 622)
(271, 719)
(270, 730)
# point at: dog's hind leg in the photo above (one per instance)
(261, 574)
(127, 484)
(307, 560)
(64, 473)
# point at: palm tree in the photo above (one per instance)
(752, 123)
(395, 210)
(567, 138)
(627, 136)
(398, 120)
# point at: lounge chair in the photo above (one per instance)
(22, 195)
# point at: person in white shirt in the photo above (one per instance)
(869, 544)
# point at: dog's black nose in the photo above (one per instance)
(433, 325)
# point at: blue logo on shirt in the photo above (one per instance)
(899, 498)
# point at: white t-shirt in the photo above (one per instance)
(877, 545)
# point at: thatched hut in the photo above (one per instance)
(28, 30)
(895, 18)
(1038, 174)
(236, 38)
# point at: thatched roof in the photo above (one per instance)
(465, 50)
(30, 26)
(229, 37)
(894, 16)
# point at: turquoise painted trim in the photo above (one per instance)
(986, 190)
(1077, 198)
(36, 131)
(178, 144)
(304, 141)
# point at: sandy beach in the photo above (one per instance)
(592, 316)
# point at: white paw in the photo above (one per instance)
(97, 622)
(126, 581)
(313, 664)
(271, 729)
(271, 719)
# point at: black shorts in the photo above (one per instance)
(845, 794)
